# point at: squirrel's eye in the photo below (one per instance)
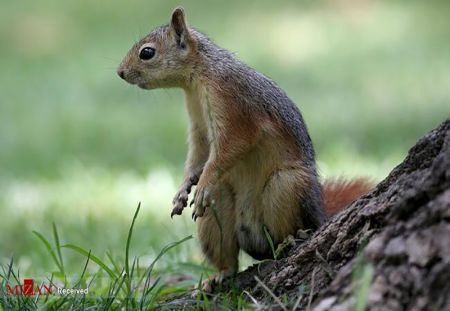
(146, 53)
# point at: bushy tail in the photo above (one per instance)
(339, 193)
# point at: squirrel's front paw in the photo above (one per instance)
(202, 200)
(180, 200)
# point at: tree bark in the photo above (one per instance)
(389, 250)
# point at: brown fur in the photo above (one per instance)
(250, 154)
(339, 193)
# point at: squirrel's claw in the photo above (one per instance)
(178, 210)
(194, 216)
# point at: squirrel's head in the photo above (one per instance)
(164, 58)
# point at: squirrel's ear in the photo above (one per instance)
(179, 27)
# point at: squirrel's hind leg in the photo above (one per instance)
(291, 200)
(216, 232)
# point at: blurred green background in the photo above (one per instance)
(81, 148)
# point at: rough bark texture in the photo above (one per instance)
(395, 242)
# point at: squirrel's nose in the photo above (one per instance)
(121, 73)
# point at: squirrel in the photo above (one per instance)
(249, 152)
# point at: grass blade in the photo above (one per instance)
(49, 248)
(165, 249)
(127, 253)
(130, 232)
(58, 248)
(270, 241)
(149, 270)
(92, 257)
(113, 262)
(363, 289)
(277, 300)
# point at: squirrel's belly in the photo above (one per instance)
(252, 171)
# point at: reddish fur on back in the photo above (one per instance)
(339, 193)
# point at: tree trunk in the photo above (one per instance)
(389, 250)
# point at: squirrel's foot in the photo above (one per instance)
(211, 283)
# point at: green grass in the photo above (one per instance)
(111, 287)
(79, 148)
(362, 280)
